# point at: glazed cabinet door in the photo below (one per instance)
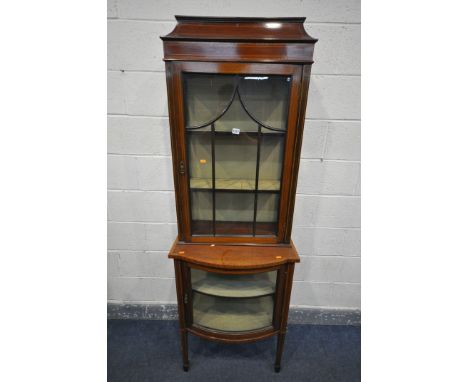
(235, 128)
(233, 304)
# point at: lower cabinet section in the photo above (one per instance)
(232, 314)
(232, 302)
(237, 294)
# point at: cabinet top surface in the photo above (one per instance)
(238, 29)
(235, 256)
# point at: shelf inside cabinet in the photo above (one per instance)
(204, 227)
(238, 286)
(235, 185)
(232, 314)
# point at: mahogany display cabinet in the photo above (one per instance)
(237, 93)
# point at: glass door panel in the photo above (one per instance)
(236, 160)
(266, 99)
(200, 165)
(232, 315)
(207, 96)
(225, 285)
(235, 132)
(267, 214)
(234, 213)
(236, 117)
(200, 170)
(271, 162)
(233, 303)
(202, 212)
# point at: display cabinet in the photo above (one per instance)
(237, 93)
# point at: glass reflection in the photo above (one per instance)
(235, 134)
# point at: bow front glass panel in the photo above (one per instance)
(233, 303)
(235, 128)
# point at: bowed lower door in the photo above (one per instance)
(238, 121)
(233, 303)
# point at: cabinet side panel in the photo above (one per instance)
(302, 103)
(174, 144)
(178, 268)
(179, 161)
(289, 275)
(280, 286)
(288, 165)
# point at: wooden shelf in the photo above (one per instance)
(232, 315)
(235, 184)
(222, 256)
(224, 228)
(238, 286)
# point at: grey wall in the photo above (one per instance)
(141, 209)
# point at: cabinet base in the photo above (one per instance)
(278, 312)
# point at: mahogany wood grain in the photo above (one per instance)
(259, 240)
(289, 274)
(239, 29)
(302, 103)
(235, 256)
(174, 148)
(204, 227)
(233, 338)
(278, 308)
(231, 51)
(237, 45)
(239, 39)
(180, 280)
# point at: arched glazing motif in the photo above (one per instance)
(264, 99)
(235, 132)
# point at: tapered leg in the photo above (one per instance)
(288, 274)
(184, 345)
(181, 307)
(279, 351)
